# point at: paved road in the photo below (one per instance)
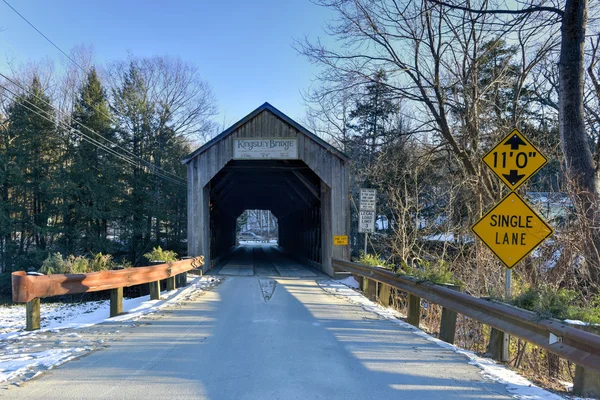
(266, 337)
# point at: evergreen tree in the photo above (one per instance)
(32, 160)
(134, 112)
(94, 174)
(372, 120)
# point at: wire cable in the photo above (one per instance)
(147, 163)
(44, 36)
(85, 71)
(92, 141)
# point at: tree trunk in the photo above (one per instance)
(582, 173)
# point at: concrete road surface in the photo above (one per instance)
(266, 337)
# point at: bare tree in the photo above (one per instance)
(582, 165)
(440, 63)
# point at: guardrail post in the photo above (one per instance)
(370, 288)
(498, 346)
(32, 315)
(587, 381)
(116, 302)
(154, 290)
(181, 279)
(384, 295)
(171, 283)
(414, 310)
(448, 322)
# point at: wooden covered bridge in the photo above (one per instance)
(268, 161)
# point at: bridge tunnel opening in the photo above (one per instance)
(289, 189)
(257, 226)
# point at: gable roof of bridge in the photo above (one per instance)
(265, 107)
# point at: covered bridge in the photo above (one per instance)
(268, 161)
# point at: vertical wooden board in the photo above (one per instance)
(384, 294)
(301, 144)
(190, 205)
(154, 290)
(32, 315)
(171, 284)
(346, 205)
(116, 301)
(498, 347)
(206, 229)
(193, 228)
(326, 234)
(414, 310)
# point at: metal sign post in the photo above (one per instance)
(366, 215)
(512, 229)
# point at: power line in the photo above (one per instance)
(147, 163)
(92, 141)
(85, 71)
(44, 36)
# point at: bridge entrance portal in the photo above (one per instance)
(267, 161)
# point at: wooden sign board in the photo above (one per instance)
(265, 149)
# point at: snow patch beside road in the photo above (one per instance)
(23, 355)
(517, 386)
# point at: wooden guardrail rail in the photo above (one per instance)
(580, 347)
(30, 288)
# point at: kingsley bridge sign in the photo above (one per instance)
(265, 149)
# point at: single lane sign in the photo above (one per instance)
(514, 159)
(512, 229)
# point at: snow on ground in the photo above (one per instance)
(516, 385)
(71, 330)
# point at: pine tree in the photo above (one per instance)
(371, 119)
(94, 174)
(134, 113)
(32, 156)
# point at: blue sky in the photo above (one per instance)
(243, 49)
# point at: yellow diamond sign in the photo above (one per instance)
(514, 159)
(512, 229)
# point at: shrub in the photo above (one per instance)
(101, 262)
(374, 260)
(54, 264)
(76, 265)
(438, 273)
(158, 254)
(549, 302)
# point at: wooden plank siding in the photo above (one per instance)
(326, 162)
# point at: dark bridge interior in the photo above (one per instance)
(288, 188)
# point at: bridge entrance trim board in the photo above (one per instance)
(301, 178)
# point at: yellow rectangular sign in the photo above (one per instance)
(515, 159)
(512, 229)
(341, 240)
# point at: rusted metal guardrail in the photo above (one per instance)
(30, 288)
(577, 346)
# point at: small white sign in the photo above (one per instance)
(368, 199)
(265, 149)
(366, 221)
